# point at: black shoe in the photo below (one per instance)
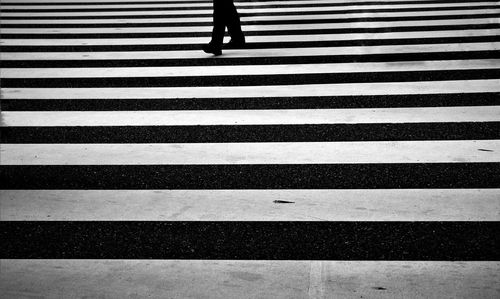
(209, 48)
(232, 44)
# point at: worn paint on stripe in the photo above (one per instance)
(259, 205)
(252, 117)
(474, 151)
(237, 70)
(254, 20)
(353, 89)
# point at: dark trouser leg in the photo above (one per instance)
(233, 23)
(219, 23)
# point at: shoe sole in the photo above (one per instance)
(214, 53)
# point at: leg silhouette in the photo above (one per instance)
(225, 15)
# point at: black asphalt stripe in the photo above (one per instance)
(253, 80)
(276, 13)
(262, 22)
(238, 3)
(252, 60)
(253, 133)
(257, 45)
(251, 240)
(7, 7)
(382, 101)
(249, 33)
(261, 176)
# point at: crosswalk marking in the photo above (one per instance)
(424, 87)
(253, 153)
(253, 10)
(253, 39)
(147, 4)
(252, 117)
(210, 276)
(359, 132)
(205, 4)
(293, 18)
(308, 205)
(268, 52)
(248, 28)
(250, 69)
(45, 2)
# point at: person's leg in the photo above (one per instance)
(220, 17)
(234, 24)
(219, 20)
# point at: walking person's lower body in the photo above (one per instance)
(225, 15)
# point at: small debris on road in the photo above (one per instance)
(283, 201)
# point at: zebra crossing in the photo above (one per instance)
(350, 142)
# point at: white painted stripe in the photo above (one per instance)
(248, 28)
(268, 52)
(469, 151)
(256, 18)
(250, 39)
(114, 278)
(247, 10)
(250, 117)
(230, 70)
(431, 87)
(121, 5)
(251, 205)
(118, 2)
(126, 4)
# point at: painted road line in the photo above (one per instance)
(269, 52)
(281, 10)
(252, 117)
(252, 39)
(394, 88)
(276, 279)
(249, 28)
(201, 4)
(295, 69)
(470, 151)
(259, 205)
(348, 17)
